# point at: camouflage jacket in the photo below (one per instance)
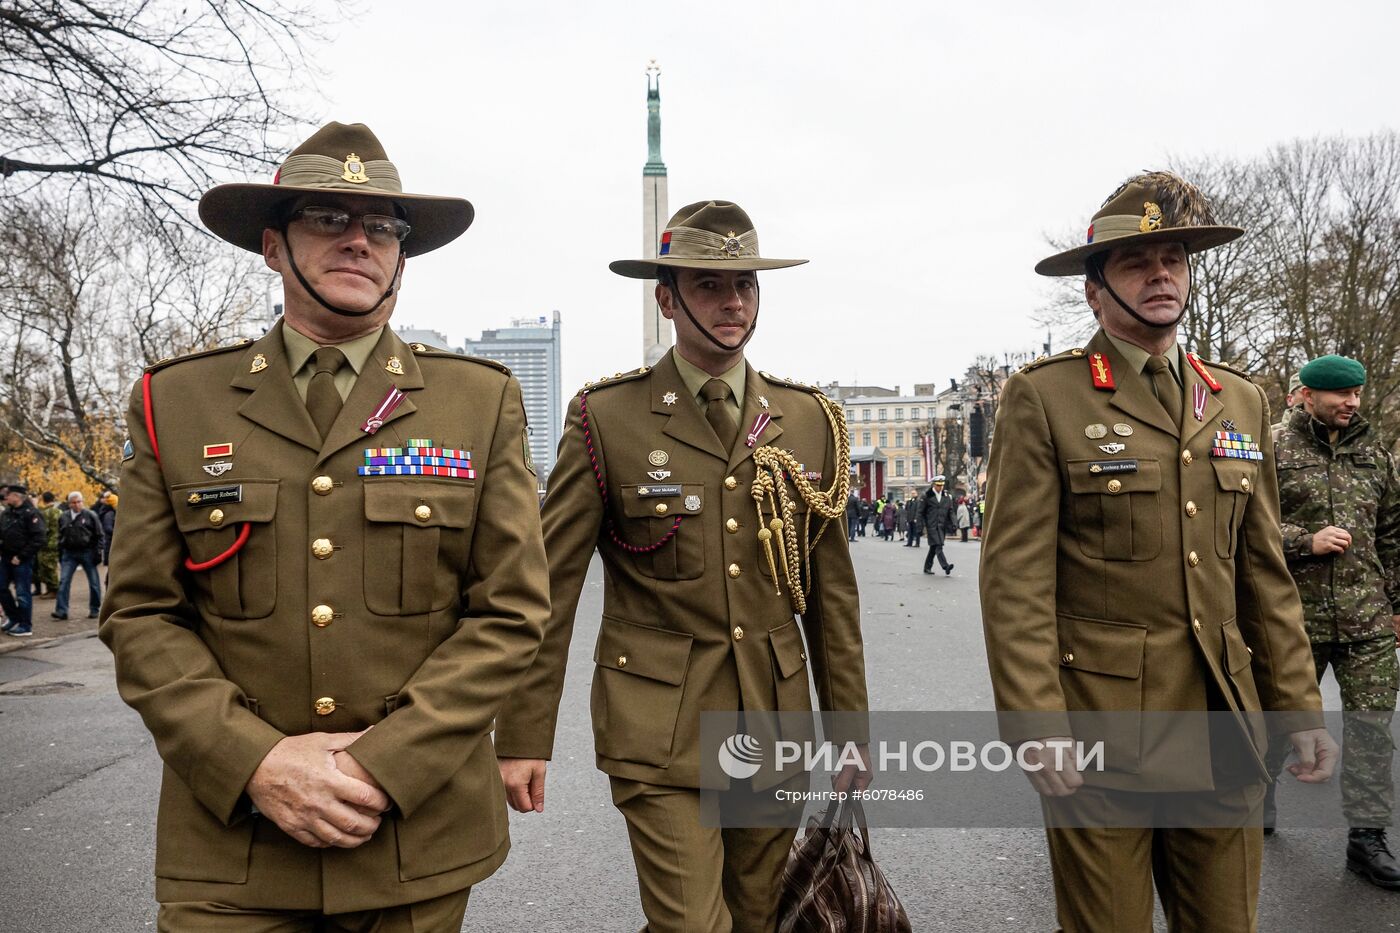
(1353, 485)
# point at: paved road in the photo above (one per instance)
(78, 779)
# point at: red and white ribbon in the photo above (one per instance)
(1198, 398)
(759, 424)
(392, 399)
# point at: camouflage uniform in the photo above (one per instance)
(48, 556)
(1348, 598)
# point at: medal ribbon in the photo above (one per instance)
(392, 399)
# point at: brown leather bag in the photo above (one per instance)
(831, 883)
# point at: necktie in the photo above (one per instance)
(322, 397)
(1168, 392)
(715, 392)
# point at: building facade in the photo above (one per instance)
(530, 347)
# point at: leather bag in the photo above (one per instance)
(831, 883)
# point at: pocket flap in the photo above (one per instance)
(424, 502)
(662, 500)
(1089, 476)
(786, 641)
(1236, 475)
(1102, 647)
(649, 652)
(246, 500)
(1237, 653)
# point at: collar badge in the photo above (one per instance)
(395, 366)
(669, 398)
(259, 363)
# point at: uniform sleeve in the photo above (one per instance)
(453, 697)
(1267, 608)
(572, 517)
(198, 719)
(1388, 532)
(832, 626)
(1018, 570)
(1297, 542)
(35, 535)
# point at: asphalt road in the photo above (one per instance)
(78, 779)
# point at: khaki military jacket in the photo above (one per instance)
(1126, 567)
(698, 623)
(407, 603)
(1351, 484)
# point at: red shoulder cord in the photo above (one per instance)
(243, 533)
(603, 491)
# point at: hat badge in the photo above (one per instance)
(354, 170)
(1151, 217)
(731, 246)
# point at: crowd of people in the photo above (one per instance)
(935, 512)
(42, 544)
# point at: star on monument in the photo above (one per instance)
(669, 398)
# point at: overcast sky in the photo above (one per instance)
(917, 153)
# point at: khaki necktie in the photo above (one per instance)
(715, 393)
(1168, 392)
(322, 397)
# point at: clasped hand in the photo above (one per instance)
(317, 793)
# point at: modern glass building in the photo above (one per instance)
(530, 347)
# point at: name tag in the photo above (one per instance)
(1114, 466)
(214, 495)
(648, 492)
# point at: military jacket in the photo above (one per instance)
(1352, 485)
(410, 603)
(697, 623)
(1127, 564)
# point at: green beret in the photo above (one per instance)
(1333, 372)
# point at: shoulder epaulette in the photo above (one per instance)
(1225, 366)
(1074, 354)
(198, 354)
(791, 383)
(422, 349)
(615, 379)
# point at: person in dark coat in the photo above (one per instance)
(852, 516)
(889, 517)
(106, 511)
(914, 522)
(867, 509)
(937, 512)
(22, 535)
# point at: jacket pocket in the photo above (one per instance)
(1235, 483)
(462, 823)
(790, 667)
(245, 585)
(194, 845)
(637, 690)
(649, 511)
(1117, 516)
(417, 538)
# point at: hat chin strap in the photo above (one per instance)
(343, 312)
(1190, 281)
(676, 290)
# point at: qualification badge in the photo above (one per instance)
(692, 503)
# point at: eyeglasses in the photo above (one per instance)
(332, 221)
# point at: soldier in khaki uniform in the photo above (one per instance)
(657, 471)
(1132, 563)
(327, 576)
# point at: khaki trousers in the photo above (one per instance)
(695, 878)
(436, 915)
(1208, 878)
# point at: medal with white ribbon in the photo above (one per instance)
(759, 423)
(392, 399)
(1198, 399)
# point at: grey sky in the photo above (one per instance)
(918, 154)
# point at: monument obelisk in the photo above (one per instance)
(656, 330)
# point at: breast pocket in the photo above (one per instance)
(417, 538)
(1117, 516)
(211, 518)
(1235, 482)
(650, 513)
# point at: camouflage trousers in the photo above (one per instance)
(1368, 674)
(47, 571)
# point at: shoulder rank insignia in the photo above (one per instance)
(1101, 372)
(1201, 371)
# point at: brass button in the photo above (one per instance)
(1191, 509)
(1186, 457)
(1250, 650)
(423, 513)
(622, 660)
(803, 655)
(325, 706)
(1195, 625)
(1193, 558)
(1244, 483)
(731, 526)
(322, 485)
(322, 548)
(1114, 485)
(1067, 657)
(738, 633)
(734, 570)
(662, 508)
(216, 517)
(321, 616)
(731, 483)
